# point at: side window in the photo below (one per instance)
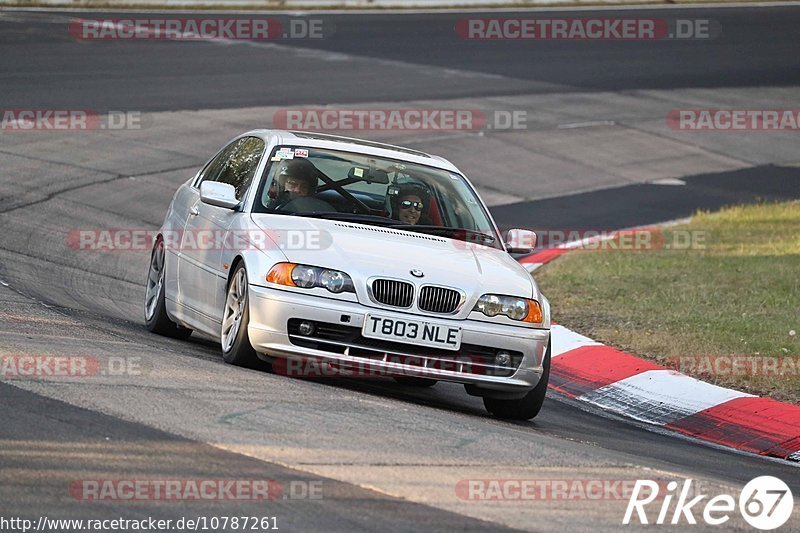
(239, 169)
(236, 164)
(212, 169)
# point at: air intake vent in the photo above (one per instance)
(392, 292)
(392, 232)
(438, 299)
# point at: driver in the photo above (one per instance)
(297, 178)
(297, 184)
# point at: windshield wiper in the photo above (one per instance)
(458, 233)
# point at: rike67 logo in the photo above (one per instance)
(765, 503)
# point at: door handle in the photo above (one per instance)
(194, 211)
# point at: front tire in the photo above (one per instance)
(528, 406)
(236, 347)
(155, 308)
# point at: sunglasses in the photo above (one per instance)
(407, 204)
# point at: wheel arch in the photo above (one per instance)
(238, 259)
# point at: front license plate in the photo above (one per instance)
(412, 332)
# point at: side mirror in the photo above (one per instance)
(218, 194)
(520, 241)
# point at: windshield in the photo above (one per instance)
(369, 190)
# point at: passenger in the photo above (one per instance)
(410, 205)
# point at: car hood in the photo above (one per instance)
(365, 251)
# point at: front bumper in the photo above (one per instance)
(271, 310)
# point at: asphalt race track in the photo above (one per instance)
(757, 49)
(595, 153)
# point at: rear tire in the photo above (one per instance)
(413, 381)
(156, 318)
(528, 406)
(236, 347)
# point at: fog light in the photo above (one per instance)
(306, 328)
(502, 359)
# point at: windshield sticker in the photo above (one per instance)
(285, 153)
(358, 172)
(300, 152)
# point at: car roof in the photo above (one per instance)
(314, 139)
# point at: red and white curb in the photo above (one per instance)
(621, 383)
(534, 261)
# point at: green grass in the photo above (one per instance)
(738, 295)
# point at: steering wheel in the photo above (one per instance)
(307, 204)
(337, 186)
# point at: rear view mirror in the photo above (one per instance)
(218, 194)
(370, 176)
(520, 241)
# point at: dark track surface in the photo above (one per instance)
(36, 423)
(647, 203)
(42, 63)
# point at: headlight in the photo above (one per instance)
(489, 305)
(334, 280)
(308, 277)
(515, 308)
(304, 276)
(521, 309)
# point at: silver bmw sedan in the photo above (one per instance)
(326, 255)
